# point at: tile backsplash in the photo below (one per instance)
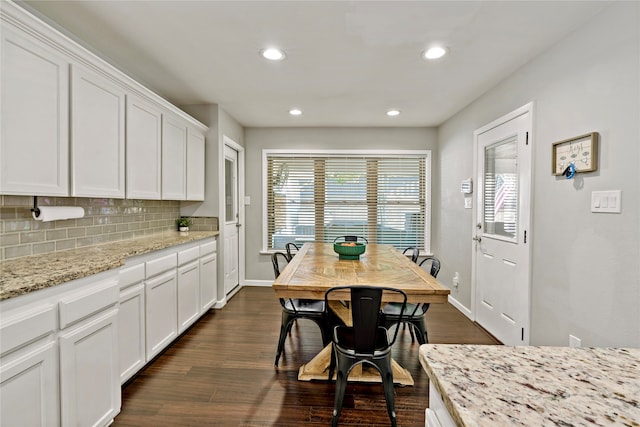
(105, 220)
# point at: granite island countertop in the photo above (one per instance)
(20, 276)
(487, 385)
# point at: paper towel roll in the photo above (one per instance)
(55, 213)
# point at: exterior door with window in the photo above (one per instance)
(231, 220)
(502, 232)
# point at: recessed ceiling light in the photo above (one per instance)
(295, 112)
(435, 52)
(392, 113)
(273, 54)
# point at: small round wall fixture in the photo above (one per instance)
(393, 113)
(273, 54)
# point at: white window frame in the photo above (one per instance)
(344, 153)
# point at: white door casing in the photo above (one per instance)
(232, 215)
(501, 273)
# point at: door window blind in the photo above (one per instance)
(318, 197)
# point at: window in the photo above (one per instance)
(317, 196)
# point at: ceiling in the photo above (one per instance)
(347, 62)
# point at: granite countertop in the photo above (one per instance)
(536, 386)
(31, 273)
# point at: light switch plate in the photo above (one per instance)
(606, 201)
(467, 202)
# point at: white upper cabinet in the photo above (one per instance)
(34, 140)
(144, 150)
(174, 159)
(195, 165)
(97, 136)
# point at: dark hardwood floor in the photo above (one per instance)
(220, 373)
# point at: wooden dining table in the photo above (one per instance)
(317, 268)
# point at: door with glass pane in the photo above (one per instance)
(501, 235)
(231, 220)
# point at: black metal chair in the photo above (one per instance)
(367, 341)
(350, 239)
(414, 314)
(415, 252)
(293, 308)
(291, 249)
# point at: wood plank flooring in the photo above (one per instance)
(220, 373)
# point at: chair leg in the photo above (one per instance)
(285, 327)
(421, 330)
(384, 366)
(413, 338)
(332, 362)
(344, 365)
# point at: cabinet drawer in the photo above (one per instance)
(27, 327)
(188, 255)
(208, 248)
(131, 275)
(85, 303)
(161, 265)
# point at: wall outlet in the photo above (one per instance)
(574, 341)
(456, 279)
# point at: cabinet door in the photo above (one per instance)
(144, 150)
(188, 295)
(34, 106)
(89, 375)
(97, 136)
(161, 312)
(131, 331)
(174, 159)
(29, 387)
(195, 165)
(208, 282)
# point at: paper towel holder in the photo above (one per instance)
(35, 208)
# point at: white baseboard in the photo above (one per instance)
(461, 308)
(266, 283)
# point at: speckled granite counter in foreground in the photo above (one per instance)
(535, 386)
(27, 274)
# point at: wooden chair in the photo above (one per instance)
(414, 314)
(293, 308)
(366, 342)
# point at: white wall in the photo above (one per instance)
(586, 266)
(258, 266)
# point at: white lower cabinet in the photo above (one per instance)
(131, 321)
(59, 355)
(208, 276)
(188, 295)
(436, 414)
(161, 312)
(29, 367)
(29, 388)
(89, 376)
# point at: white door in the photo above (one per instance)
(502, 238)
(231, 220)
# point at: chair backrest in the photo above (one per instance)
(365, 313)
(291, 249)
(279, 261)
(350, 239)
(435, 265)
(415, 252)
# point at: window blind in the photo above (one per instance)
(313, 197)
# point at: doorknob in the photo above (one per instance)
(477, 239)
(479, 225)
(238, 224)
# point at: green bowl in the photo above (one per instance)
(349, 252)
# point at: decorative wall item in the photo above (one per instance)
(575, 155)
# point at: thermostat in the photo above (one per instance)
(466, 186)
